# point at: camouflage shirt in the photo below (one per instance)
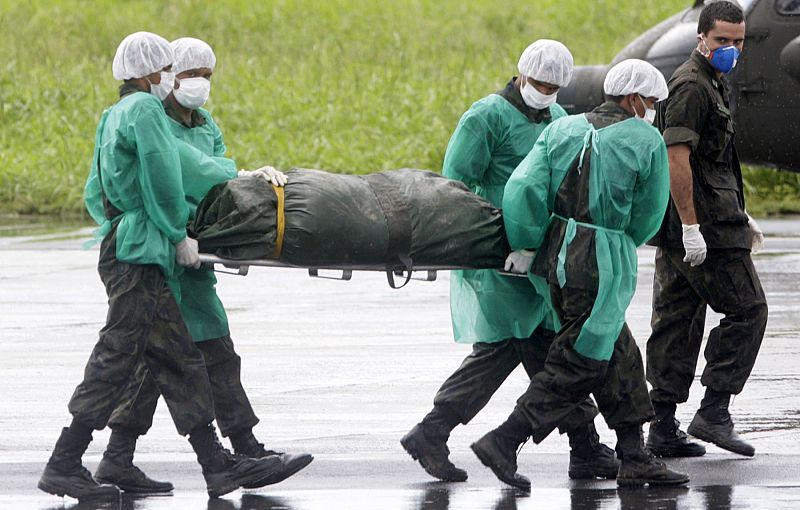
(697, 114)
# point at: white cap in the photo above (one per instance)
(140, 54)
(547, 61)
(191, 53)
(634, 76)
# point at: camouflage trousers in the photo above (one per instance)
(726, 281)
(231, 405)
(470, 387)
(568, 378)
(144, 326)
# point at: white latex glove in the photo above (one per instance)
(519, 261)
(694, 244)
(187, 253)
(758, 235)
(271, 174)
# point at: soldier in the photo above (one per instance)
(703, 255)
(593, 188)
(200, 306)
(134, 192)
(504, 317)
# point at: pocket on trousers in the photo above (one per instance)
(736, 288)
(112, 360)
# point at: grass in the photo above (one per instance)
(343, 85)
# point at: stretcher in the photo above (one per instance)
(345, 273)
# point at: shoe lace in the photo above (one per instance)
(134, 469)
(254, 449)
(85, 473)
(521, 446)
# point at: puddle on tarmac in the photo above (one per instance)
(441, 497)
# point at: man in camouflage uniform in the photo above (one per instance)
(704, 246)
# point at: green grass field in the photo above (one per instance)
(343, 85)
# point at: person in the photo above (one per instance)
(134, 192)
(703, 255)
(503, 317)
(593, 188)
(200, 306)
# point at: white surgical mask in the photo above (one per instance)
(534, 98)
(192, 93)
(162, 89)
(649, 113)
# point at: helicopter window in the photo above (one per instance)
(788, 7)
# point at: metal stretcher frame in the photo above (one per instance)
(242, 268)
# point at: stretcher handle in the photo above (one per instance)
(346, 275)
(210, 262)
(430, 275)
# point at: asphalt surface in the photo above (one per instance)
(343, 370)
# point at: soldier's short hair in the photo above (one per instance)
(718, 11)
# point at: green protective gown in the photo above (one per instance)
(628, 192)
(141, 177)
(491, 138)
(203, 166)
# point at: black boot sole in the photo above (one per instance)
(487, 461)
(411, 447)
(641, 482)
(107, 494)
(299, 463)
(226, 486)
(137, 489)
(671, 452)
(591, 474)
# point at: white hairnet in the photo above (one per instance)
(548, 61)
(635, 76)
(191, 53)
(140, 54)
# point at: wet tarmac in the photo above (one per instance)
(343, 370)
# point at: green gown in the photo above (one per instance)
(204, 166)
(491, 139)
(628, 189)
(141, 177)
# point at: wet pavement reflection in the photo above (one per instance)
(438, 496)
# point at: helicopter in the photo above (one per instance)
(764, 85)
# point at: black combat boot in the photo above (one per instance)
(64, 473)
(640, 467)
(588, 457)
(245, 443)
(117, 466)
(666, 439)
(712, 423)
(497, 450)
(225, 472)
(427, 443)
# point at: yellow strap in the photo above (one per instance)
(281, 219)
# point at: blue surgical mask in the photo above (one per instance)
(724, 58)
